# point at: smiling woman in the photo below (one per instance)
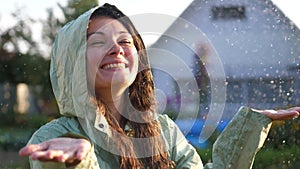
(102, 80)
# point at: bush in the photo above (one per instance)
(16, 129)
(267, 158)
(12, 139)
(284, 158)
(284, 133)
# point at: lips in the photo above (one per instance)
(114, 66)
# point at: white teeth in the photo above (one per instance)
(114, 65)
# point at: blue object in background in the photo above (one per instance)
(192, 134)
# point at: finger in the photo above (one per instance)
(49, 155)
(295, 109)
(67, 156)
(81, 154)
(283, 115)
(29, 149)
(294, 113)
(39, 155)
(24, 151)
(83, 149)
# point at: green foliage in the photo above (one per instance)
(16, 36)
(16, 129)
(75, 8)
(72, 10)
(27, 121)
(282, 158)
(21, 66)
(25, 68)
(12, 139)
(205, 154)
(267, 158)
(284, 133)
(21, 60)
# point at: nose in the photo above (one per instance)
(116, 49)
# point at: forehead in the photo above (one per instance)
(105, 24)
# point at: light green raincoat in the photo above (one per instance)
(235, 148)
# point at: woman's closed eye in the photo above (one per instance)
(98, 43)
(126, 42)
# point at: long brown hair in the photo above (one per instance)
(142, 98)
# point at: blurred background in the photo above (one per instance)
(257, 42)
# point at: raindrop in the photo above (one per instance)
(193, 45)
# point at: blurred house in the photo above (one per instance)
(253, 42)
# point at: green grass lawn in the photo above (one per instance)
(287, 157)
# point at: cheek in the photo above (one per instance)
(94, 57)
(134, 58)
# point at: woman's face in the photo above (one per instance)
(112, 59)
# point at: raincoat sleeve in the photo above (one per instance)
(55, 130)
(238, 144)
(183, 154)
(186, 157)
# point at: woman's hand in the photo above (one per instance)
(281, 114)
(61, 149)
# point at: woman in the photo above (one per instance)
(104, 88)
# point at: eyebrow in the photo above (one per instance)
(88, 35)
(101, 33)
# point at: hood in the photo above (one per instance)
(68, 68)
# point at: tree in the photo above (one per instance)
(20, 62)
(19, 54)
(72, 10)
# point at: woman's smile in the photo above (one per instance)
(114, 66)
